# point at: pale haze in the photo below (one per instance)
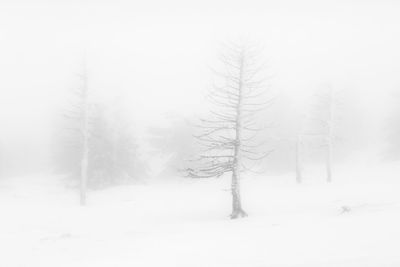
(104, 106)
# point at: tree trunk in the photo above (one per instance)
(329, 138)
(329, 161)
(85, 142)
(298, 160)
(83, 185)
(237, 211)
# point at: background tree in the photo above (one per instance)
(288, 118)
(392, 128)
(114, 153)
(71, 140)
(298, 151)
(304, 128)
(229, 133)
(95, 146)
(83, 95)
(174, 144)
(323, 120)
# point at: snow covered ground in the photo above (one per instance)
(181, 224)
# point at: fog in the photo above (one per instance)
(101, 103)
(157, 56)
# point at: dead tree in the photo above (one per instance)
(78, 114)
(72, 143)
(84, 108)
(85, 140)
(95, 147)
(329, 135)
(324, 120)
(229, 134)
(299, 177)
(299, 140)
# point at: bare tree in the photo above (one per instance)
(329, 135)
(288, 136)
(324, 120)
(392, 128)
(299, 177)
(299, 142)
(94, 146)
(71, 154)
(84, 104)
(229, 134)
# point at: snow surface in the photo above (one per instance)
(185, 223)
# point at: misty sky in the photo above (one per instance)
(154, 56)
